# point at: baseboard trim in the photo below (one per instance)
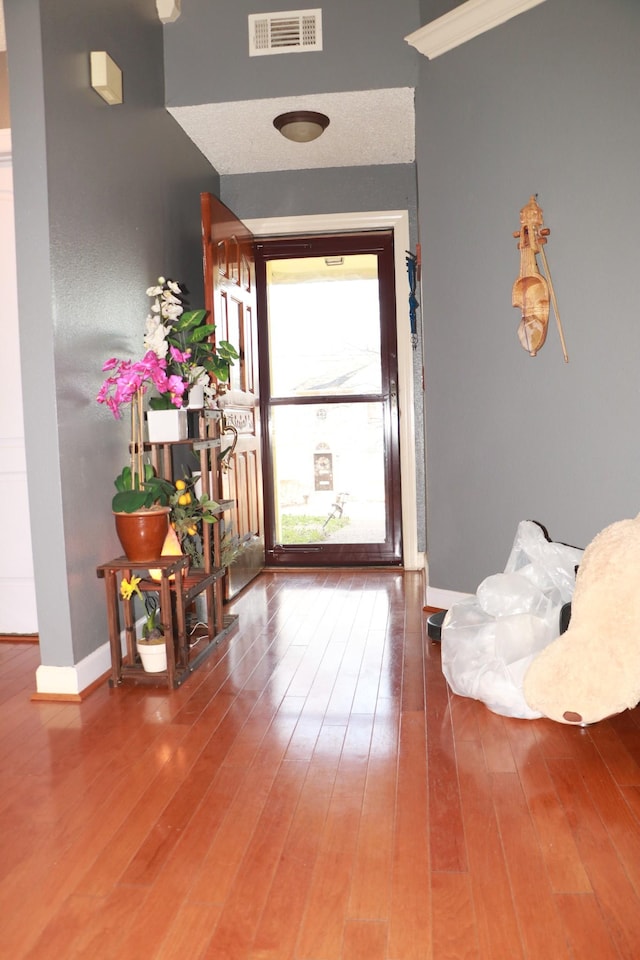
(78, 681)
(19, 638)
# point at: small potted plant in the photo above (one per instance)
(188, 512)
(151, 646)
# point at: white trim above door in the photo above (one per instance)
(398, 221)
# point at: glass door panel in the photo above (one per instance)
(328, 468)
(324, 326)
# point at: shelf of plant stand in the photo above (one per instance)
(207, 444)
(196, 580)
(200, 644)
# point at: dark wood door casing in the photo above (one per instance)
(380, 243)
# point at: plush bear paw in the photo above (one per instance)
(593, 670)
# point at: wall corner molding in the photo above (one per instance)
(464, 23)
(168, 10)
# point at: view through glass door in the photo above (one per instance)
(329, 399)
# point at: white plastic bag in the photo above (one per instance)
(488, 641)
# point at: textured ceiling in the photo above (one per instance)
(366, 127)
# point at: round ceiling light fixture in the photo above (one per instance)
(301, 126)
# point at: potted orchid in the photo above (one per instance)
(141, 502)
(183, 339)
(178, 354)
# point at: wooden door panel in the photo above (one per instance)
(230, 296)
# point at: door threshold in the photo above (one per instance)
(392, 568)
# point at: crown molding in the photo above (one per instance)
(464, 23)
(168, 10)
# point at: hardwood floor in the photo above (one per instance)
(313, 792)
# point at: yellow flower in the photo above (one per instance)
(180, 485)
(129, 587)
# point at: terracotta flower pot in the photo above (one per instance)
(142, 533)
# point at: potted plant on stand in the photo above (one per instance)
(188, 512)
(179, 354)
(141, 503)
(151, 646)
(184, 339)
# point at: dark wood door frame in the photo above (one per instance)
(380, 243)
(409, 360)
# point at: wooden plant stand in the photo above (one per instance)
(178, 586)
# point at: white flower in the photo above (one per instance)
(174, 287)
(154, 291)
(151, 324)
(155, 340)
(169, 297)
(171, 311)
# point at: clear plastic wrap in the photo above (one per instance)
(488, 641)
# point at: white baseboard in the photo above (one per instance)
(75, 679)
(444, 598)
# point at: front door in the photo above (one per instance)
(230, 298)
(328, 374)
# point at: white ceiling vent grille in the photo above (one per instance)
(291, 31)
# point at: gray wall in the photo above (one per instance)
(290, 193)
(106, 199)
(546, 103)
(207, 51)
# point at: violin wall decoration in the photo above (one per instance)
(532, 290)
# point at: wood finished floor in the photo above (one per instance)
(313, 792)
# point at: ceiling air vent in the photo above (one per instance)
(291, 31)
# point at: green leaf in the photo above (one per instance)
(227, 350)
(201, 333)
(128, 501)
(123, 482)
(163, 402)
(189, 320)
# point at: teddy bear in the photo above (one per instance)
(593, 670)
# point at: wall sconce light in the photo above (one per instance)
(106, 77)
(168, 10)
(301, 126)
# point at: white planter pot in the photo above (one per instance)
(153, 656)
(165, 426)
(196, 397)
